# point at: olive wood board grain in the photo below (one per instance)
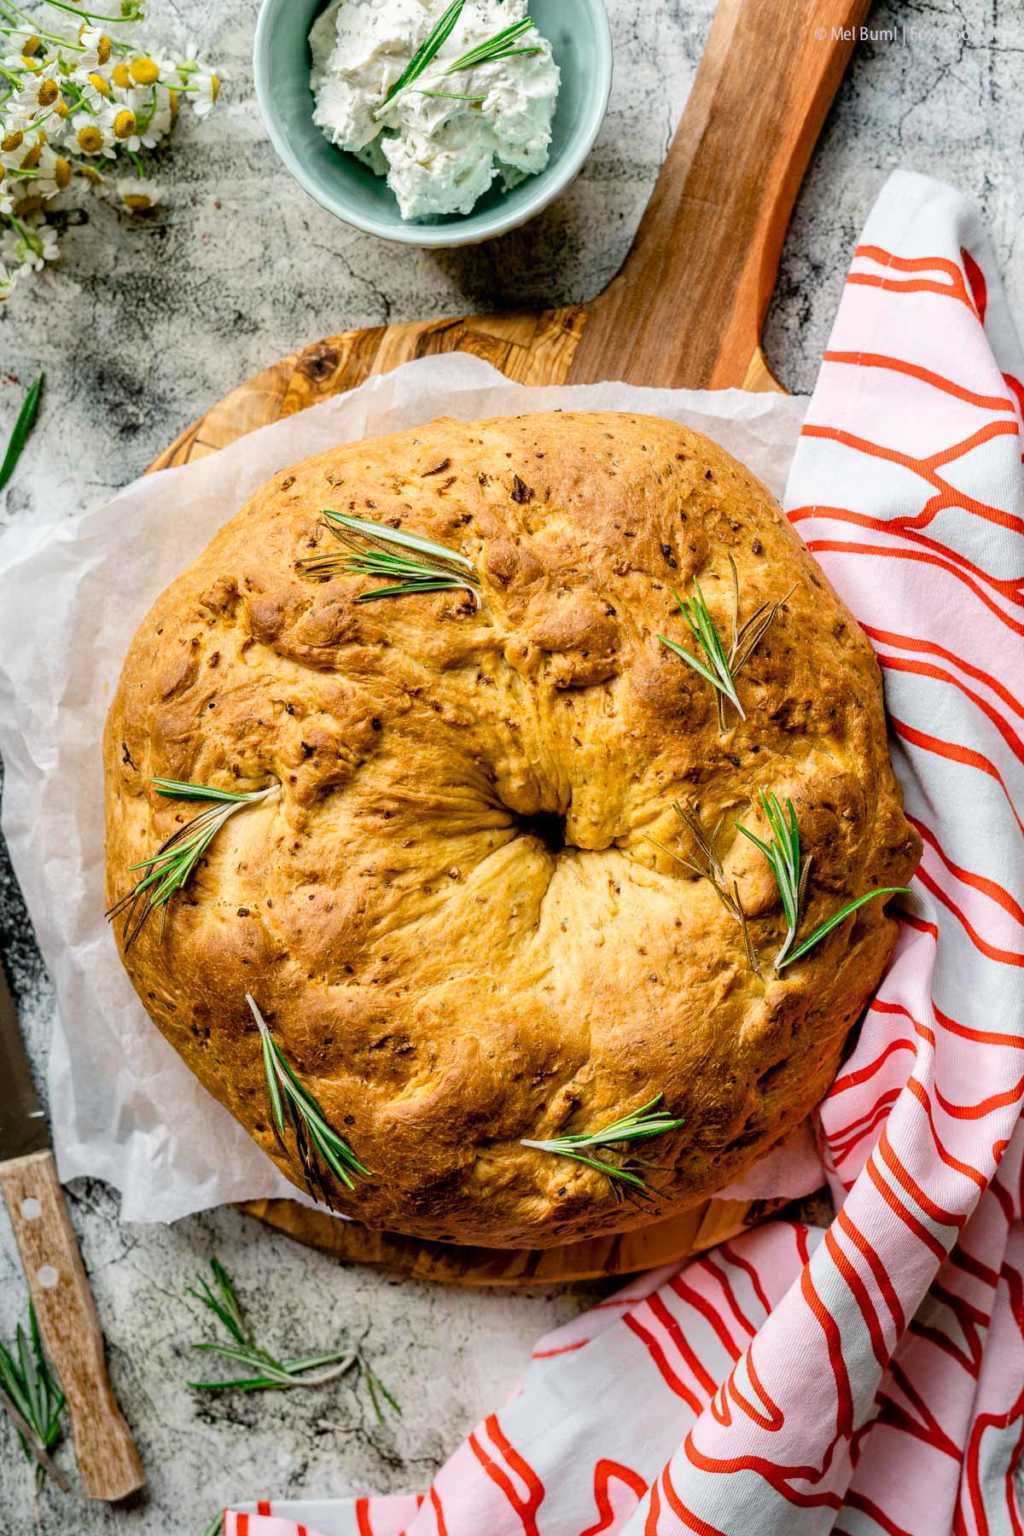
(685, 311)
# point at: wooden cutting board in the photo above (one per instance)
(686, 312)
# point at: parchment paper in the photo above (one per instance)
(124, 1107)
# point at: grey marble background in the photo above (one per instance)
(139, 329)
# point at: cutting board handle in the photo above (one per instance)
(687, 308)
(107, 1459)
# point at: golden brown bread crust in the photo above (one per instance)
(445, 983)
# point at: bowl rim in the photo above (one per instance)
(443, 236)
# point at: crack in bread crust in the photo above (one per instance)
(447, 979)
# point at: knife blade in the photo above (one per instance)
(23, 1128)
(107, 1458)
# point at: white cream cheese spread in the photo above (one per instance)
(442, 139)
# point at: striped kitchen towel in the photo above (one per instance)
(867, 1379)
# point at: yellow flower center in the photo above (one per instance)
(32, 46)
(145, 71)
(12, 140)
(103, 48)
(137, 202)
(121, 75)
(99, 83)
(28, 205)
(124, 123)
(33, 158)
(61, 108)
(214, 87)
(62, 171)
(48, 93)
(90, 139)
(174, 103)
(91, 174)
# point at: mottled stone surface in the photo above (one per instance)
(139, 329)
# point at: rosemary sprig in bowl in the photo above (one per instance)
(639, 1125)
(268, 1373)
(171, 868)
(409, 563)
(717, 665)
(492, 50)
(324, 1154)
(426, 52)
(791, 875)
(32, 1399)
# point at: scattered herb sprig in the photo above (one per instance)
(426, 52)
(718, 666)
(639, 1125)
(791, 875)
(216, 1526)
(267, 1372)
(322, 1152)
(21, 430)
(171, 868)
(31, 1397)
(411, 564)
(708, 867)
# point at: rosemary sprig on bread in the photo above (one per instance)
(639, 1125)
(784, 859)
(410, 564)
(707, 866)
(324, 1155)
(170, 869)
(717, 665)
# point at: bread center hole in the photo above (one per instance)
(548, 826)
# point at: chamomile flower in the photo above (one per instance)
(206, 87)
(92, 133)
(97, 48)
(138, 195)
(28, 245)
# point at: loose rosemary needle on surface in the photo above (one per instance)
(31, 1397)
(267, 1373)
(718, 666)
(171, 868)
(790, 874)
(409, 563)
(23, 425)
(639, 1125)
(322, 1152)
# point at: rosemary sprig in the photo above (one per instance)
(322, 1152)
(426, 52)
(495, 48)
(411, 563)
(791, 875)
(171, 868)
(639, 1125)
(31, 1397)
(709, 868)
(270, 1374)
(718, 666)
(23, 425)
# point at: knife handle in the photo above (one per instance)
(108, 1461)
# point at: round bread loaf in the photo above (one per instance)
(470, 914)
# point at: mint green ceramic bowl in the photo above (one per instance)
(579, 34)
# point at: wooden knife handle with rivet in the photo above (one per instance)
(108, 1461)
